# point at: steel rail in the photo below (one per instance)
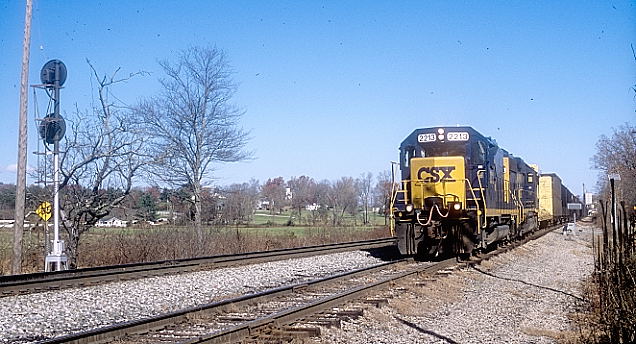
(278, 319)
(294, 314)
(288, 316)
(157, 322)
(41, 281)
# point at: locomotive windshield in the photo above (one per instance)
(432, 150)
(444, 149)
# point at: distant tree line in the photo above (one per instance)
(306, 201)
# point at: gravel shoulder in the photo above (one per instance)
(523, 296)
(33, 317)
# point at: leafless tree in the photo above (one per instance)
(364, 193)
(382, 194)
(240, 202)
(274, 192)
(303, 193)
(320, 213)
(617, 154)
(101, 154)
(193, 123)
(342, 198)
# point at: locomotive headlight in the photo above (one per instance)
(440, 131)
(457, 206)
(409, 208)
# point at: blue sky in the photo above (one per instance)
(331, 88)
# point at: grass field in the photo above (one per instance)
(107, 246)
(262, 217)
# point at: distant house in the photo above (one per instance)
(312, 207)
(167, 214)
(262, 205)
(111, 222)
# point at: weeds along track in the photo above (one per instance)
(38, 282)
(276, 314)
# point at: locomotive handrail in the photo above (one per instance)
(481, 191)
(476, 203)
(394, 194)
(519, 205)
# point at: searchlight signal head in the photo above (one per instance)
(53, 71)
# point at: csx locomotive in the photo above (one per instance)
(461, 191)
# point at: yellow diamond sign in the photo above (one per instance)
(44, 210)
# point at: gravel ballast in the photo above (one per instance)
(523, 296)
(33, 317)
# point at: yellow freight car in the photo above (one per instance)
(550, 203)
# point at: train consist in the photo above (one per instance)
(460, 191)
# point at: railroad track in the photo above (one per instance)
(39, 282)
(276, 314)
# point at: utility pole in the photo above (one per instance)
(20, 192)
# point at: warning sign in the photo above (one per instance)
(44, 210)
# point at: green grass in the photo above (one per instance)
(264, 217)
(6, 236)
(295, 231)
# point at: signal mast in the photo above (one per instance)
(51, 129)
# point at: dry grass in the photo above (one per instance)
(559, 336)
(580, 252)
(101, 248)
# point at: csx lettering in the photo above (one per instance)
(434, 173)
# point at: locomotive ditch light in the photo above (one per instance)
(409, 208)
(457, 206)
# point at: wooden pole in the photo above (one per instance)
(20, 192)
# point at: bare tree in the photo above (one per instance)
(240, 202)
(303, 193)
(192, 122)
(382, 194)
(617, 154)
(274, 192)
(101, 154)
(364, 193)
(321, 197)
(342, 198)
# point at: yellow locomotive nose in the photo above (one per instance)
(438, 177)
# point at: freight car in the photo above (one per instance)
(551, 208)
(553, 201)
(460, 191)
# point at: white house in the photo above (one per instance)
(111, 222)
